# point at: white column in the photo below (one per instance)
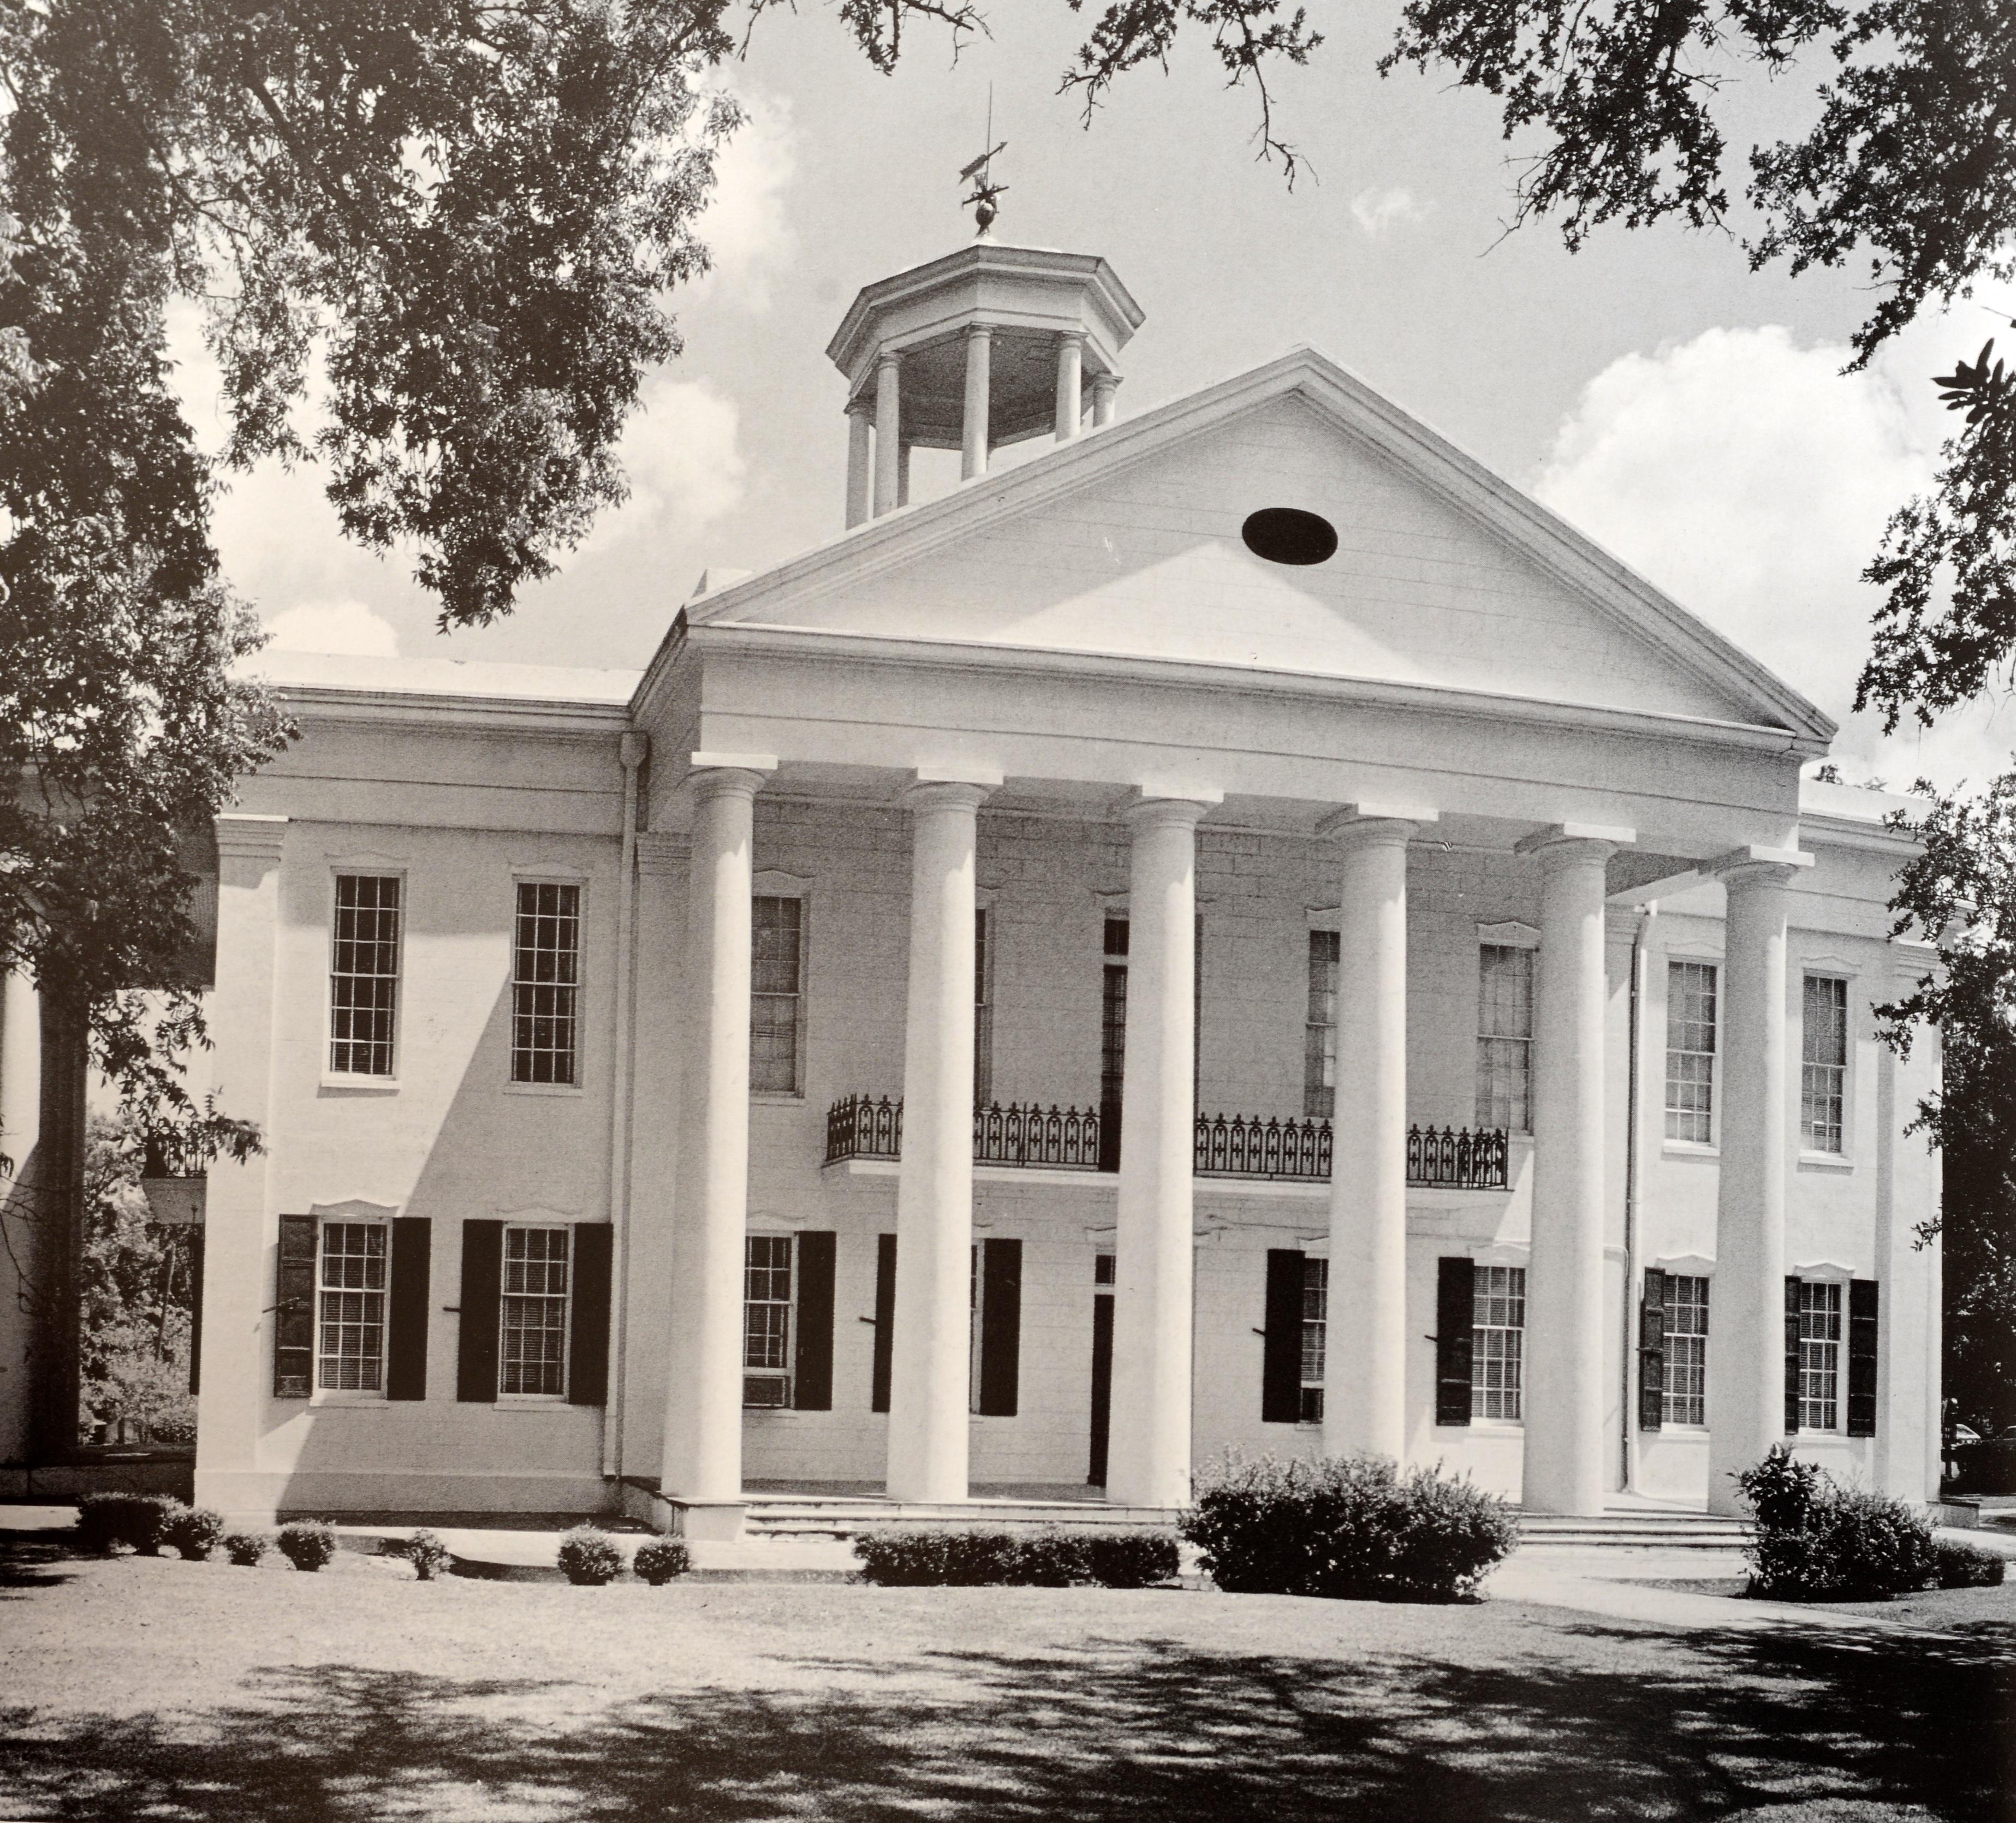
(1567, 1462)
(903, 476)
(1366, 1363)
(860, 461)
(1070, 368)
(1105, 390)
(241, 1228)
(889, 430)
(1746, 1371)
(928, 1403)
(1908, 1419)
(979, 368)
(702, 1460)
(1149, 1461)
(22, 1232)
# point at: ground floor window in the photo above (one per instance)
(1819, 1355)
(533, 1316)
(1684, 1398)
(349, 1307)
(1497, 1337)
(766, 1311)
(1315, 1310)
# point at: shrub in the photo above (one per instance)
(1353, 1528)
(1987, 1467)
(306, 1544)
(1961, 1565)
(1816, 1541)
(245, 1548)
(658, 1560)
(194, 1530)
(589, 1557)
(425, 1552)
(1051, 1557)
(140, 1520)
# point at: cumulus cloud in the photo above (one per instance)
(681, 451)
(1750, 478)
(349, 627)
(1377, 211)
(744, 225)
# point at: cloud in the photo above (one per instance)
(1751, 479)
(1377, 211)
(349, 627)
(744, 225)
(681, 451)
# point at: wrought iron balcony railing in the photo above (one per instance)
(1237, 1145)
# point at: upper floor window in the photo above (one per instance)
(1316, 1332)
(776, 1011)
(983, 1008)
(1320, 1030)
(364, 974)
(768, 1309)
(1823, 1072)
(1690, 996)
(1683, 1396)
(1497, 1341)
(349, 1307)
(1505, 1037)
(532, 1355)
(545, 983)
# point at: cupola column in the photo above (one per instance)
(860, 459)
(979, 378)
(1070, 377)
(889, 430)
(1105, 390)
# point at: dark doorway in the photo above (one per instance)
(1102, 1366)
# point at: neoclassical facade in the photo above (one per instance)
(1238, 931)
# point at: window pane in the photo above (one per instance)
(1691, 1007)
(777, 970)
(1824, 1071)
(1819, 1355)
(1315, 1296)
(545, 975)
(364, 974)
(766, 1319)
(1505, 1032)
(1685, 1393)
(1319, 1036)
(1497, 1341)
(349, 1330)
(533, 1345)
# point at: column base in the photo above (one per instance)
(704, 1521)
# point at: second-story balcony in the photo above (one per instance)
(1235, 1146)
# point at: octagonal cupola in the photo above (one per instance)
(990, 345)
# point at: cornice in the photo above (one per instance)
(554, 717)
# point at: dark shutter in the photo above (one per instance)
(406, 1308)
(475, 1353)
(1652, 1351)
(195, 1311)
(1102, 1387)
(1456, 1310)
(1281, 1354)
(1862, 1357)
(1000, 1328)
(1791, 1355)
(885, 1321)
(293, 1309)
(588, 1342)
(811, 1367)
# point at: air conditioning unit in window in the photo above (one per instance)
(766, 1391)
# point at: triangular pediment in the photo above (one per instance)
(1129, 543)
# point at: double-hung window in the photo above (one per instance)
(1684, 1395)
(1819, 1354)
(776, 1011)
(768, 1306)
(1824, 1063)
(1315, 1313)
(1319, 1028)
(1497, 1342)
(1690, 1009)
(532, 1350)
(545, 983)
(364, 974)
(983, 1008)
(1505, 1037)
(349, 1307)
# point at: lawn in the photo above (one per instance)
(137, 1687)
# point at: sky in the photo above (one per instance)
(1688, 413)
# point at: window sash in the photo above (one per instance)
(1497, 1338)
(1319, 1028)
(545, 983)
(1684, 1395)
(364, 974)
(351, 1267)
(776, 992)
(1824, 1063)
(769, 1304)
(1316, 1326)
(983, 1008)
(1505, 1036)
(1690, 1051)
(1819, 1354)
(532, 1314)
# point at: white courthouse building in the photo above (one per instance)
(1240, 930)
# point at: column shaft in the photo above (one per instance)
(1149, 1463)
(1105, 394)
(1565, 1460)
(702, 1460)
(929, 1404)
(979, 368)
(1071, 363)
(1365, 1366)
(860, 460)
(22, 1233)
(888, 431)
(903, 476)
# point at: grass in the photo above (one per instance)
(137, 1687)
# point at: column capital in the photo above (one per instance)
(887, 358)
(980, 331)
(1358, 823)
(1755, 865)
(942, 794)
(1572, 841)
(1076, 336)
(862, 406)
(1172, 810)
(729, 774)
(242, 836)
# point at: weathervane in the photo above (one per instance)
(980, 171)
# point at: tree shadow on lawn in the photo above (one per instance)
(29, 1560)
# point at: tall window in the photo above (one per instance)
(983, 1008)
(1819, 1354)
(1690, 988)
(364, 974)
(1315, 1310)
(777, 995)
(1505, 1037)
(1112, 1043)
(532, 1358)
(766, 1320)
(1823, 1072)
(1319, 1031)
(350, 1301)
(1685, 1393)
(545, 983)
(1497, 1341)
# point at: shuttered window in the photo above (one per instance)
(1819, 1354)
(1319, 1028)
(349, 1307)
(1691, 1018)
(1497, 1341)
(1316, 1326)
(1505, 1037)
(1684, 1395)
(532, 1350)
(767, 1305)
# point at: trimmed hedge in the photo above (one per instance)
(1053, 1557)
(1960, 1565)
(589, 1557)
(307, 1544)
(140, 1521)
(658, 1560)
(425, 1552)
(245, 1548)
(1350, 1528)
(194, 1530)
(1815, 1540)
